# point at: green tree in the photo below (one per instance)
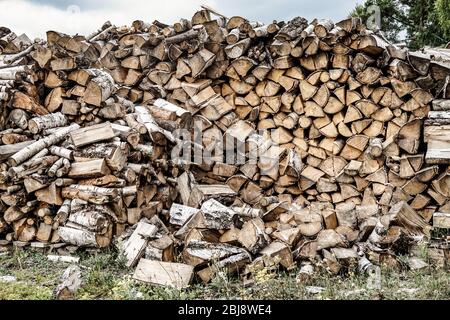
(424, 22)
(442, 11)
(423, 27)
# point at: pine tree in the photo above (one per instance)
(426, 22)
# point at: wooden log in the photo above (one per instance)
(237, 49)
(92, 134)
(88, 169)
(90, 220)
(134, 247)
(37, 146)
(231, 264)
(19, 118)
(441, 105)
(61, 152)
(197, 253)
(70, 282)
(252, 235)
(201, 193)
(404, 214)
(80, 237)
(50, 195)
(157, 134)
(176, 275)
(12, 72)
(277, 251)
(99, 88)
(8, 150)
(441, 220)
(24, 102)
(184, 116)
(179, 214)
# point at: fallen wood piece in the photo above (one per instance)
(305, 273)
(70, 282)
(58, 258)
(373, 271)
(176, 275)
(415, 263)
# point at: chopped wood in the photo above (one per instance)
(146, 136)
(441, 220)
(92, 134)
(70, 282)
(134, 247)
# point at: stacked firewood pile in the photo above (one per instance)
(310, 137)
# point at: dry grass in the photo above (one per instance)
(106, 277)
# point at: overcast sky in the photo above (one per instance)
(34, 17)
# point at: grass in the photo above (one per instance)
(106, 277)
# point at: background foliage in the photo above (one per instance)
(417, 22)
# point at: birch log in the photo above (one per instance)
(37, 146)
(99, 88)
(52, 120)
(156, 132)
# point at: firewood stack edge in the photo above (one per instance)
(326, 125)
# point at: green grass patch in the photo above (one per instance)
(105, 276)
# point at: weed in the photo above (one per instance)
(105, 276)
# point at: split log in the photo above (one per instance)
(92, 134)
(70, 282)
(88, 169)
(37, 146)
(157, 134)
(99, 88)
(134, 247)
(176, 275)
